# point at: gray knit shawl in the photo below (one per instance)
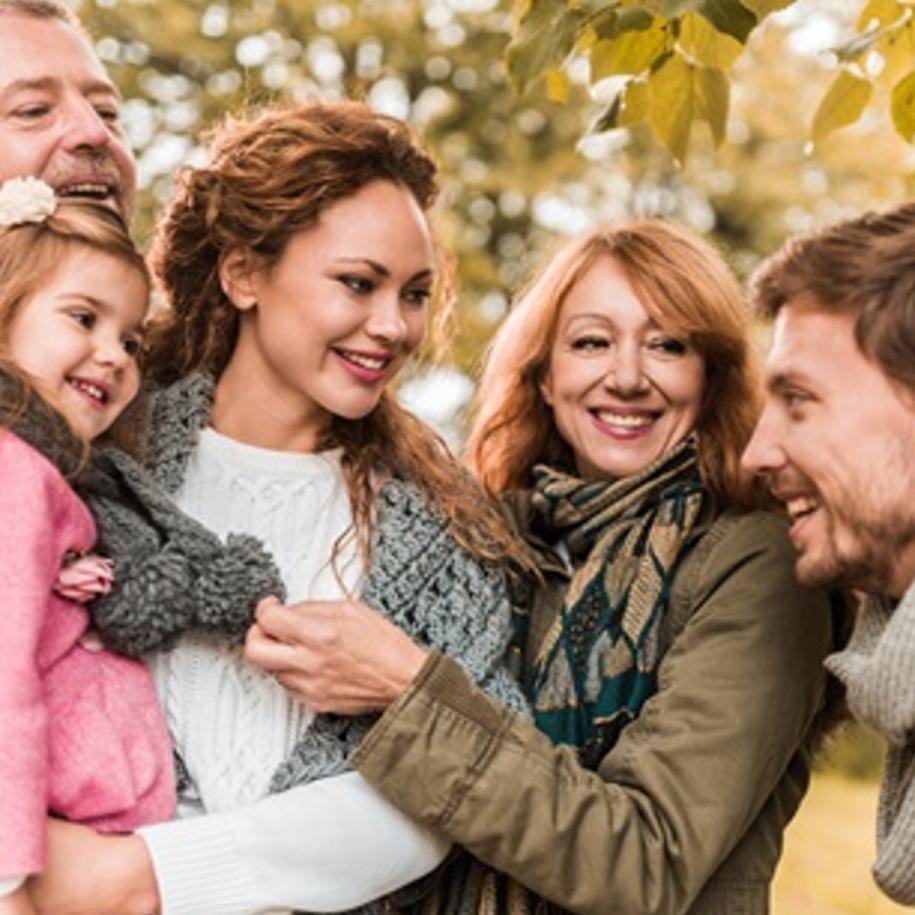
(878, 670)
(171, 574)
(418, 577)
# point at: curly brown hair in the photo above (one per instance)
(270, 176)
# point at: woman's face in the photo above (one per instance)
(623, 391)
(324, 330)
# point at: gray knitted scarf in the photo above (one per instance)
(878, 670)
(418, 577)
(171, 574)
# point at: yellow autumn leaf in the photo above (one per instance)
(842, 104)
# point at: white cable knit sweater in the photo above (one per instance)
(233, 724)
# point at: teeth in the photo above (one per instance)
(88, 190)
(373, 363)
(629, 420)
(93, 390)
(800, 506)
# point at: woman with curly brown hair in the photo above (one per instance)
(299, 275)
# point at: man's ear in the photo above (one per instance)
(238, 276)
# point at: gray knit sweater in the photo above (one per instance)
(878, 670)
(171, 574)
(418, 577)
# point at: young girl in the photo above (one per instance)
(83, 732)
(81, 728)
(299, 271)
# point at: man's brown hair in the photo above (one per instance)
(864, 267)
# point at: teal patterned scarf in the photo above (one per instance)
(598, 662)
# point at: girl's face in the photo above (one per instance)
(623, 390)
(324, 330)
(78, 336)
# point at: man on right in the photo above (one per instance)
(836, 443)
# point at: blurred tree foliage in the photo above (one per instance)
(518, 167)
(674, 58)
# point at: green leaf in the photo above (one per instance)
(762, 8)
(700, 40)
(544, 36)
(672, 104)
(843, 103)
(614, 22)
(713, 97)
(632, 52)
(728, 16)
(902, 106)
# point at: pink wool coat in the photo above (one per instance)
(81, 731)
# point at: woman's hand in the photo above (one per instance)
(93, 874)
(334, 656)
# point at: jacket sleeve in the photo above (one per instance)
(171, 574)
(737, 692)
(29, 562)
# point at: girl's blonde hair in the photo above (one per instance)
(687, 288)
(269, 177)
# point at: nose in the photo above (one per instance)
(386, 321)
(85, 128)
(626, 372)
(110, 352)
(763, 453)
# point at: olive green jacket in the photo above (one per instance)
(686, 813)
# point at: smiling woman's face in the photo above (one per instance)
(326, 328)
(623, 390)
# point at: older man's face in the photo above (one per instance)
(837, 443)
(59, 113)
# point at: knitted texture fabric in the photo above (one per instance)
(878, 670)
(418, 577)
(171, 575)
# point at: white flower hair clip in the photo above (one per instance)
(25, 200)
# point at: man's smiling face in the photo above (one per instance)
(59, 113)
(837, 443)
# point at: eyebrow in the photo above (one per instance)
(382, 271)
(606, 319)
(49, 83)
(783, 379)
